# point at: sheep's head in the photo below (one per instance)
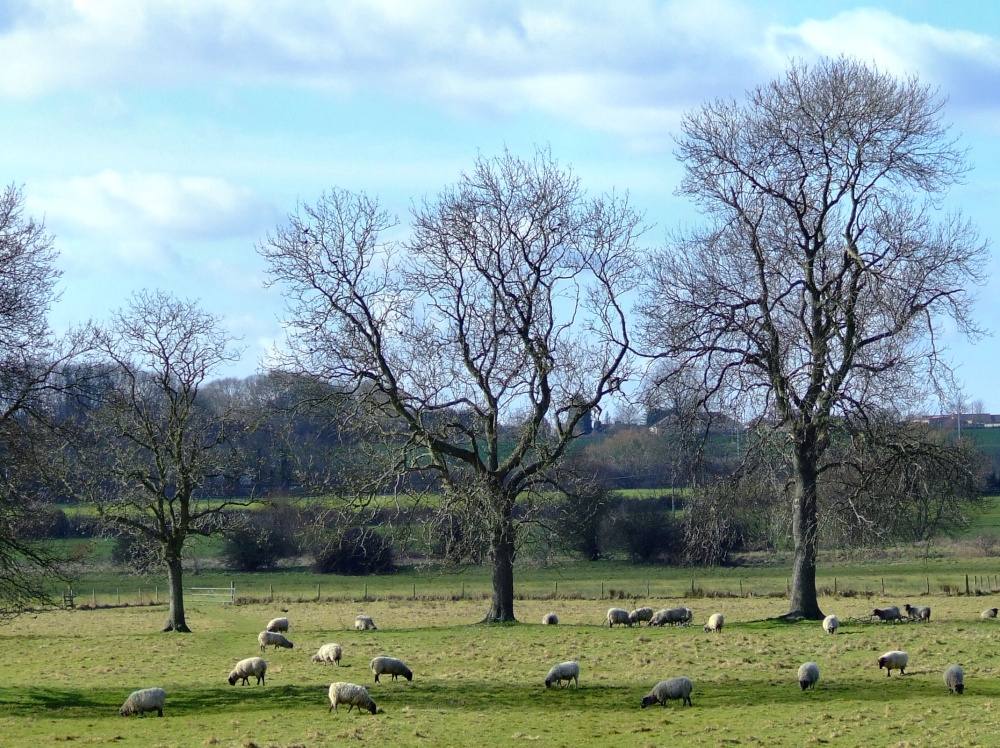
(548, 682)
(648, 700)
(959, 688)
(881, 662)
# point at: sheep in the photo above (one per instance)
(830, 624)
(888, 614)
(954, 678)
(329, 653)
(550, 619)
(919, 613)
(270, 637)
(675, 688)
(255, 666)
(390, 666)
(808, 675)
(351, 694)
(277, 624)
(564, 671)
(893, 660)
(147, 700)
(715, 622)
(641, 614)
(364, 623)
(673, 616)
(989, 613)
(617, 615)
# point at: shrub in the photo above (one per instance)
(135, 554)
(357, 551)
(259, 539)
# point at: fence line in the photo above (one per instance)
(224, 595)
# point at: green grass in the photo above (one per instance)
(67, 672)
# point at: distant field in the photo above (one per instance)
(67, 672)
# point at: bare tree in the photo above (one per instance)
(149, 445)
(30, 361)
(478, 346)
(814, 291)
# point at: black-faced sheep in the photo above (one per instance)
(550, 619)
(364, 623)
(954, 678)
(255, 666)
(351, 694)
(390, 666)
(144, 700)
(715, 623)
(673, 616)
(665, 690)
(888, 614)
(894, 660)
(564, 671)
(989, 613)
(277, 624)
(808, 675)
(640, 615)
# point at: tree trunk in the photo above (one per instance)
(805, 529)
(502, 552)
(176, 620)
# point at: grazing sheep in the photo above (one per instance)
(641, 614)
(715, 622)
(893, 660)
(675, 688)
(277, 624)
(618, 615)
(351, 694)
(329, 653)
(364, 623)
(147, 700)
(808, 675)
(270, 637)
(888, 614)
(954, 678)
(830, 624)
(673, 616)
(390, 666)
(989, 613)
(919, 613)
(245, 668)
(550, 619)
(564, 671)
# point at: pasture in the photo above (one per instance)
(65, 674)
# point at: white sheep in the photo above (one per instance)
(617, 615)
(550, 619)
(329, 653)
(830, 624)
(144, 700)
(894, 660)
(564, 671)
(675, 688)
(640, 615)
(989, 613)
(277, 624)
(808, 675)
(264, 638)
(673, 616)
(954, 678)
(390, 666)
(351, 694)
(918, 613)
(255, 666)
(364, 623)
(888, 614)
(715, 622)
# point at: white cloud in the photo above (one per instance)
(155, 206)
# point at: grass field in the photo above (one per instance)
(65, 673)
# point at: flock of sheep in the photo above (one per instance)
(678, 688)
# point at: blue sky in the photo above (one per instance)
(162, 139)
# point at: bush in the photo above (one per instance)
(134, 553)
(647, 531)
(358, 551)
(259, 540)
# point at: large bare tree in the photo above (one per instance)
(815, 289)
(480, 344)
(150, 444)
(30, 360)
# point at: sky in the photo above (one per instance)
(162, 140)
